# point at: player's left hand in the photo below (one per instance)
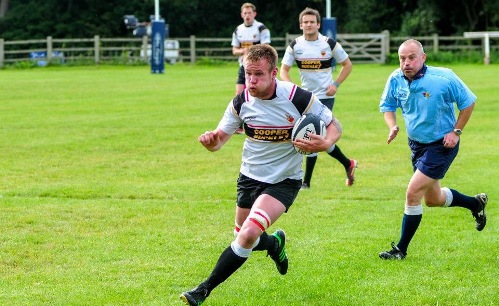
(331, 90)
(450, 140)
(316, 143)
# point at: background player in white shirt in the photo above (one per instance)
(250, 32)
(314, 54)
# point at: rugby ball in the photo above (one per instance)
(307, 124)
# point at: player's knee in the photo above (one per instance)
(440, 197)
(413, 197)
(256, 223)
(237, 229)
(259, 218)
(434, 201)
(248, 235)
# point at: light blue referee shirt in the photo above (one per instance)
(427, 102)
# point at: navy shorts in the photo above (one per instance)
(248, 190)
(241, 78)
(433, 159)
(329, 103)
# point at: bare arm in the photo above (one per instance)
(451, 139)
(391, 121)
(238, 51)
(214, 140)
(284, 74)
(464, 116)
(346, 68)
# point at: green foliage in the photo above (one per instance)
(419, 22)
(24, 65)
(366, 16)
(31, 19)
(448, 57)
(473, 57)
(207, 61)
(107, 198)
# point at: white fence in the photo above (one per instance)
(362, 48)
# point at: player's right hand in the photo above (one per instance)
(209, 139)
(393, 133)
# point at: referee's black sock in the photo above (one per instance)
(461, 200)
(410, 224)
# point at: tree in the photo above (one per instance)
(33, 19)
(4, 7)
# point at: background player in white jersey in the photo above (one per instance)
(250, 32)
(271, 169)
(314, 54)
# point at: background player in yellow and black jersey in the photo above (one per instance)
(314, 54)
(250, 32)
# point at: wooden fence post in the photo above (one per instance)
(145, 40)
(287, 39)
(193, 49)
(2, 54)
(49, 49)
(385, 46)
(435, 43)
(486, 48)
(96, 49)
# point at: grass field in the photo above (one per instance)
(106, 197)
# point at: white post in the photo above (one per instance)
(96, 49)
(2, 52)
(486, 60)
(328, 8)
(486, 42)
(156, 10)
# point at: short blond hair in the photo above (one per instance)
(310, 11)
(248, 5)
(262, 51)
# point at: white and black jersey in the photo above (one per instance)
(315, 59)
(246, 36)
(268, 154)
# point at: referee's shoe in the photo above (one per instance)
(479, 214)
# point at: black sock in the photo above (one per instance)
(227, 264)
(337, 154)
(266, 242)
(410, 224)
(309, 168)
(461, 200)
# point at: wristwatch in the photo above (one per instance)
(458, 132)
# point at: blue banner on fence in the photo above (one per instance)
(158, 46)
(41, 59)
(328, 28)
